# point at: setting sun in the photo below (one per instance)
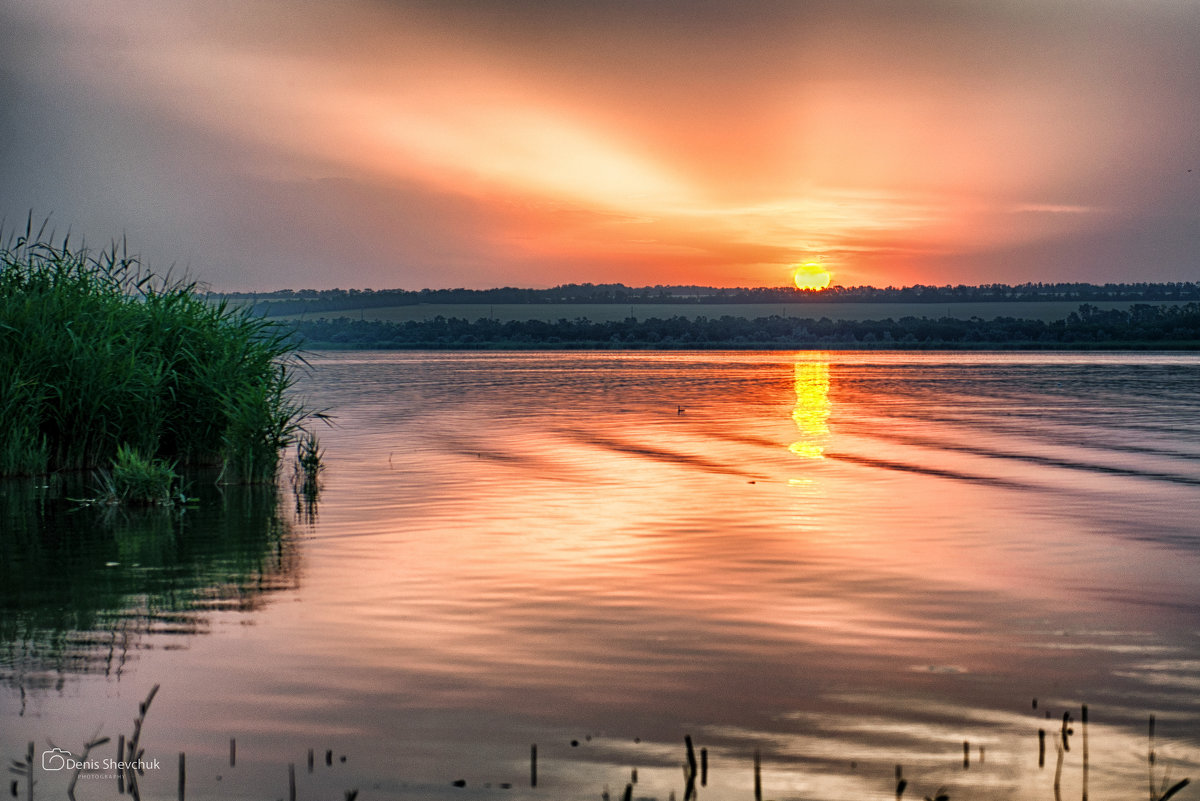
(811, 275)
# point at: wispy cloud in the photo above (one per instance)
(395, 143)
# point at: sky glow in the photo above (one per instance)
(412, 144)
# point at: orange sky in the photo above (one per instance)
(263, 144)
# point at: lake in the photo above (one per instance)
(851, 564)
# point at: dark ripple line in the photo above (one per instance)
(984, 419)
(455, 445)
(671, 457)
(907, 467)
(1048, 461)
(745, 439)
(1042, 460)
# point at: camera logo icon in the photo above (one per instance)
(55, 759)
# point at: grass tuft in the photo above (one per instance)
(138, 480)
(309, 457)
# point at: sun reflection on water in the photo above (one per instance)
(811, 412)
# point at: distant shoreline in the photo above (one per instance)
(1140, 327)
(984, 347)
(1047, 311)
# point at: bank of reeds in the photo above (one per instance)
(98, 354)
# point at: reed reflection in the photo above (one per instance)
(811, 412)
(83, 589)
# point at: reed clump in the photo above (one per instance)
(310, 459)
(138, 479)
(102, 361)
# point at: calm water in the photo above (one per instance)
(843, 561)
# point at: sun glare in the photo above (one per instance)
(811, 412)
(811, 275)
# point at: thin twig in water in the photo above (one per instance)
(95, 741)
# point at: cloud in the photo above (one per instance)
(498, 142)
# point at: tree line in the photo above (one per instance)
(1141, 326)
(315, 301)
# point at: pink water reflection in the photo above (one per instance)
(834, 558)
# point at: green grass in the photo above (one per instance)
(306, 474)
(98, 355)
(138, 479)
(309, 457)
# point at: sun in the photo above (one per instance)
(811, 275)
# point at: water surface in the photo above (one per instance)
(846, 562)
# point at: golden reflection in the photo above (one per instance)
(811, 412)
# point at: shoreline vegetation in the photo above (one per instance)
(1142, 326)
(105, 366)
(322, 301)
(1031, 316)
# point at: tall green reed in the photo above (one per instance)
(97, 354)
